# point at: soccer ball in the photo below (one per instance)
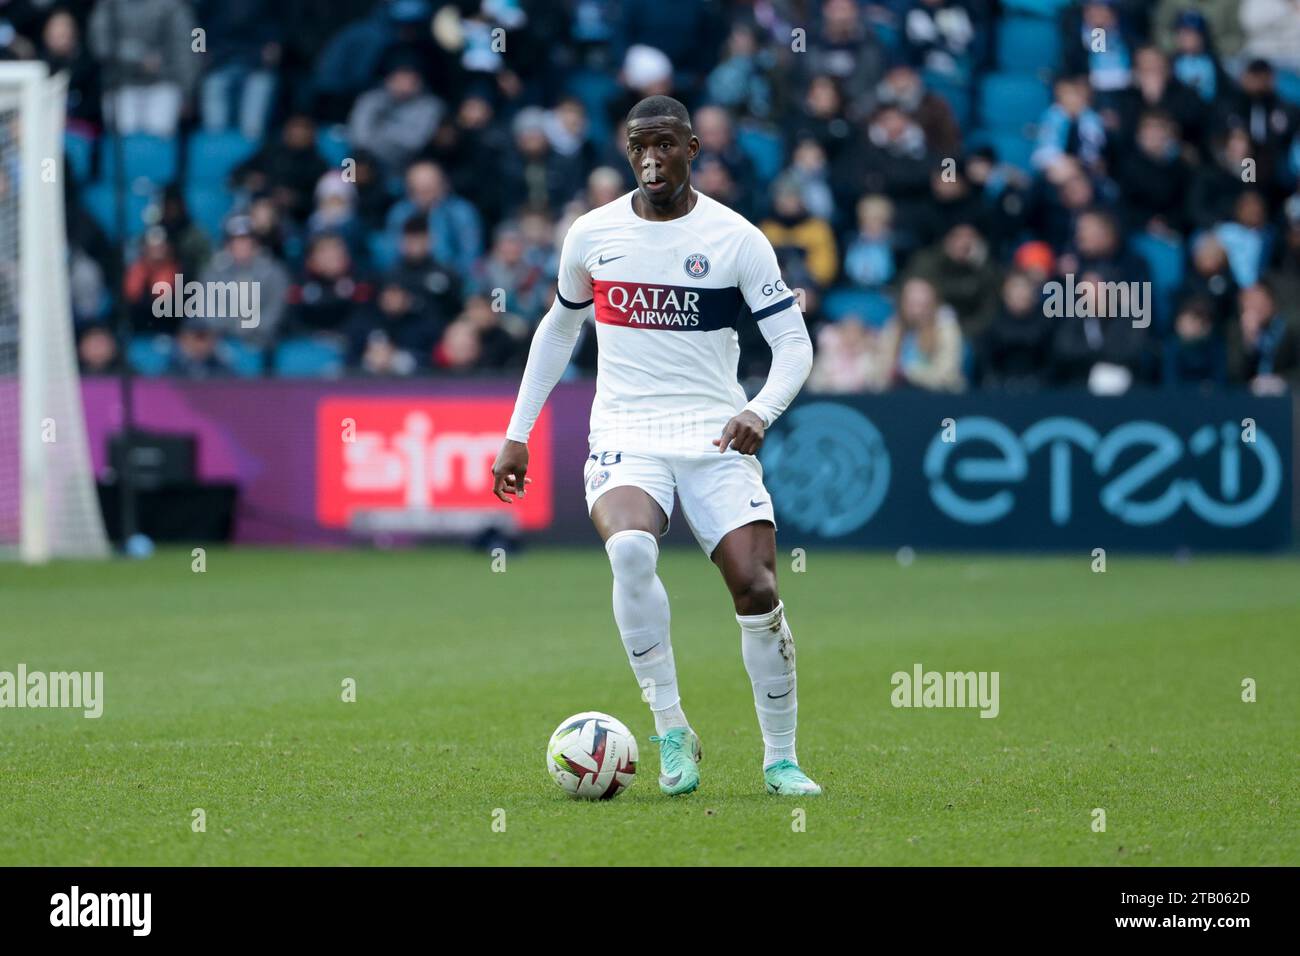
(592, 756)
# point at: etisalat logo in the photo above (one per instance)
(208, 300)
(75, 908)
(922, 688)
(1096, 299)
(80, 690)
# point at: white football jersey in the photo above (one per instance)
(668, 299)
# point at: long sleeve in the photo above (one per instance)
(792, 359)
(548, 356)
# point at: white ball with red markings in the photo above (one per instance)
(592, 756)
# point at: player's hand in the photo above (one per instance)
(744, 433)
(509, 471)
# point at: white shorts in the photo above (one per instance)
(719, 492)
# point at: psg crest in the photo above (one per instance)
(697, 266)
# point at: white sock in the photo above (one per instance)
(641, 612)
(767, 647)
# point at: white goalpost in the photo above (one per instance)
(48, 504)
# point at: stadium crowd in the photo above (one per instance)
(397, 176)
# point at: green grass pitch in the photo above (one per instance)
(1119, 691)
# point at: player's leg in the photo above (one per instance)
(731, 514)
(629, 520)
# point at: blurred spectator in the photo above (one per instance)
(845, 49)
(336, 213)
(1273, 125)
(62, 50)
(191, 242)
(151, 277)
(149, 67)
(1154, 178)
(97, 351)
(1210, 281)
(1098, 246)
(1071, 127)
(396, 120)
(848, 360)
(507, 277)
(1284, 279)
(740, 80)
(793, 230)
(327, 292)
(418, 271)
(392, 336)
(1195, 63)
(891, 159)
(195, 353)
(242, 259)
(535, 175)
(87, 291)
(821, 117)
(1099, 45)
(1195, 353)
(1220, 15)
(922, 343)
(454, 227)
(870, 260)
(243, 51)
(1272, 29)
(964, 276)
(903, 87)
(1101, 349)
(1265, 348)
(1155, 90)
(1216, 186)
(718, 143)
(809, 170)
(287, 169)
(472, 149)
(1015, 350)
(477, 339)
(1246, 237)
(939, 37)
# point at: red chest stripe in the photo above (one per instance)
(676, 308)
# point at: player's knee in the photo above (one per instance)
(757, 594)
(633, 555)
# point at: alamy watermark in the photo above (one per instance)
(922, 688)
(209, 300)
(1098, 300)
(79, 690)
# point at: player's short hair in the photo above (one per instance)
(660, 106)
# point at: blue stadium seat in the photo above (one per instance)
(1028, 45)
(1011, 147)
(332, 145)
(209, 206)
(149, 354)
(308, 358)
(1012, 101)
(1038, 8)
(144, 157)
(246, 360)
(873, 308)
(81, 155)
(1165, 260)
(764, 149)
(1288, 86)
(99, 201)
(213, 155)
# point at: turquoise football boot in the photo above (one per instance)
(679, 752)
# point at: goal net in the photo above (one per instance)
(48, 505)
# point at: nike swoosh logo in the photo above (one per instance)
(647, 650)
(602, 260)
(772, 696)
(756, 504)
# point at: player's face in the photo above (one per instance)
(660, 150)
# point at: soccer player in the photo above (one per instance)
(671, 273)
